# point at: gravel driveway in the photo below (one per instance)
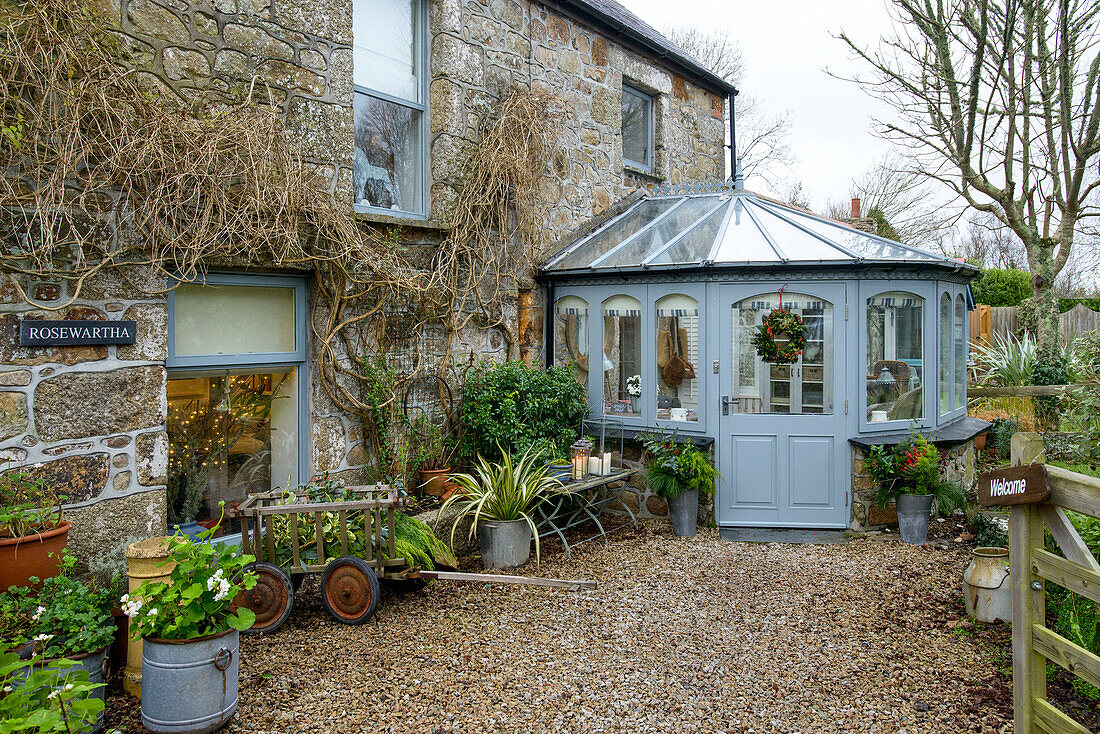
(681, 636)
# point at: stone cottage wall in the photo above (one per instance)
(867, 515)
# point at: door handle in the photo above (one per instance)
(725, 405)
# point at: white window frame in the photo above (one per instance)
(651, 106)
(422, 107)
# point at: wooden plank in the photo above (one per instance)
(326, 506)
(294, 541)
(320, 537)
(393, 536)
(1066, 574)
(1016, 485)
(1074, 491)
(1026, 534)
(246, 541)
(269, 537)
(1027, 448)
(1018, 391)
(366, 536)
(1073, 547)
(493, 578)
(1070, 656)
(342, 518)
(1052, 720)
(378, 530)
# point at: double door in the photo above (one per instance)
(781, 439)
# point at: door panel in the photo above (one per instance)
(781, 446)
(754, 460)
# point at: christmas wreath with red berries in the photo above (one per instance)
(781, 337)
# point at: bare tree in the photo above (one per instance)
(1000, 101)
(988, 244)
(762, 138)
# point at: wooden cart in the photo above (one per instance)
(364, 530)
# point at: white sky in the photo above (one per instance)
(787, 45)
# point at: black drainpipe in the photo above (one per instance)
(733, 138)
(548, 325)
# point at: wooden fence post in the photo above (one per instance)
(1027, 533)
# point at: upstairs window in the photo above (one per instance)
(637, 128)
(390, 110)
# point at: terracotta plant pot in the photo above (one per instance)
(979, 442)
(435, 482)
(35, 555)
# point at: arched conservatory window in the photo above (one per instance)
(946, 366)
(571, 335)
(676, 380)
(962, 346)
(622, 356)
(895, 366)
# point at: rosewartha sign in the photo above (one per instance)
(1014, 486)
(76, 333)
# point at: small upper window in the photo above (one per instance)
(637, 128)
(389, 108)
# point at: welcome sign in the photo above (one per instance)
(76, 333)
(1017, 485)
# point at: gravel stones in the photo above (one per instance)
(694, 635)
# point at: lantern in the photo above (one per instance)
(580, 452)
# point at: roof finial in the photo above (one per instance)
(738, 177)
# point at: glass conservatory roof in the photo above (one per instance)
(726, 228)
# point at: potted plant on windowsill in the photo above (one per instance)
(190, 629)
(910, 476)
(678, 472)
(33, 532)
(63, 621)
(500, 499)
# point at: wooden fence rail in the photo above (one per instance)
(1033, 644)
(986, 321)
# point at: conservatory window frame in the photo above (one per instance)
(953, 292)
(697, 291)
(927, 292)
(650, 127)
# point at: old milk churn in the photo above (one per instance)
(986, 587)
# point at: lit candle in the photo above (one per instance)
(606, 469)
(594, 465)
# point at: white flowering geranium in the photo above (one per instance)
(199, 600)
(634, 385)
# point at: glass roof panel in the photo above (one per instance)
(743, 241)
(627, 224)
(660, 233)
(796, 244)
(695, 246)
(868, 247)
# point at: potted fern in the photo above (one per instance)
(678, 472)
(500, 498)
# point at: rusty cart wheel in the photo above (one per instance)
(271, 599)
(350, 590)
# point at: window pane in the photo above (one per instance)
(387, 171)
(806, 386)
(637, 111)
(660, 234)
(229, 435)
(946, 366)
(386, 46)
(895, 366)
(961, 348)
(677, 358)
(622, 356)
(605, 241)
(232, 319)
(571, 335)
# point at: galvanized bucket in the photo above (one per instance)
(683, 510)
(913, 513)
(504, 544)
(189, 686)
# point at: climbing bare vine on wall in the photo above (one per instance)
(102, 174)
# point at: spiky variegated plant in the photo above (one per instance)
(504, 491)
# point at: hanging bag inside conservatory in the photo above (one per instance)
(678, 368)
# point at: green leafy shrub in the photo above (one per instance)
(911, 467)
(1002, 287)
(1075, 617)
(676, 467)
(53, 698)
(64, 617)
(511, 407)
(1001, 433)
(991, 531)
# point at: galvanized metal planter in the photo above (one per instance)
(504, 544)
(683, 510)
(913, 513)
(189, 686)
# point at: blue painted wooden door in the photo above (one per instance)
(782, 448)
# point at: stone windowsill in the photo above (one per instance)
(399, 221)
(641, 172)
(958, 432)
